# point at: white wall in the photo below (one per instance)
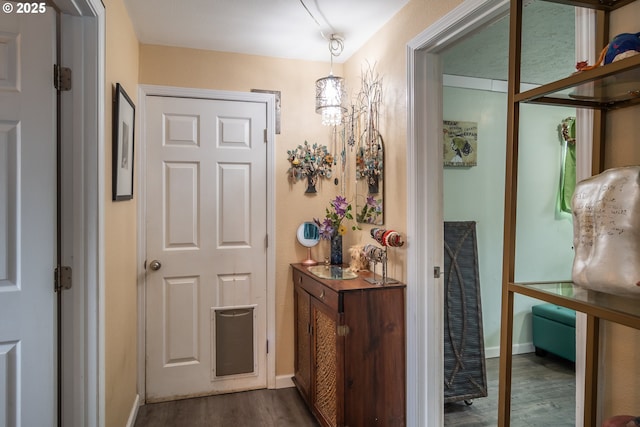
(543, 240)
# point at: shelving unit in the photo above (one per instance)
(610, 87)
(605, 88)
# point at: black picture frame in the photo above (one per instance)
(124, 114)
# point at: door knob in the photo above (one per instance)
(155, 265)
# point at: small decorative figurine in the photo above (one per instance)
(622, 46)
(359, 261)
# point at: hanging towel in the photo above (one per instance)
(568, 172)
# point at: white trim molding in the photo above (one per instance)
(284, 381)
(133, 414)
(424, 205)
(492, 352)
(477, 83)
(83, 115)
(151, 90)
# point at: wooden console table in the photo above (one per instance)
(350, 349)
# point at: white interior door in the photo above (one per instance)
(206, 228)
(27, 218)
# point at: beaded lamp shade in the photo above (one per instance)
(330, 90)
(330, 95)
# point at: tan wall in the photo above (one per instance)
(621, 373)
(121, 308)
(295, 79)
(387, 51)
(169, 66)
(224, 71)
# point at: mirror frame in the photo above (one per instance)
(364, 182)
(306, 242)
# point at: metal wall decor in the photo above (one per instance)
(309, 162)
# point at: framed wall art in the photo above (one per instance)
(123, 135)
(460, 143)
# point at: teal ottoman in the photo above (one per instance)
(554, 330)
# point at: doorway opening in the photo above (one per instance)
(475, 103)
(425, 195)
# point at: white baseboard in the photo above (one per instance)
(134, 412)
(284, 381)
(492, 352)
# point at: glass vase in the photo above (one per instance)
(336, 249)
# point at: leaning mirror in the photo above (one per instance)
(363, 131)
(370, 181)
(308, 235)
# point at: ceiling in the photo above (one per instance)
(548, 40)
(286, 29)
(276, 28)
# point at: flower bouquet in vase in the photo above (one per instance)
(332, 228)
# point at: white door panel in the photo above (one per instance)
(27, 219)
(206, 224)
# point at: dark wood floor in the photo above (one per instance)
(543, 395)
(259, 408)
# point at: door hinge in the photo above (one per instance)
(265, 136)
(62, 278)
(343, 330)
(61, 78)
(436, 272)
(266, 241)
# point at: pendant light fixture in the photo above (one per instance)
(330, 90)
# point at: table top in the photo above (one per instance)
(359, 283)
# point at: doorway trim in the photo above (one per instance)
(424, 154)
(425, 376)
(83, 49)
(178, 92)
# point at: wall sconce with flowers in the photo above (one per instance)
(310, 162)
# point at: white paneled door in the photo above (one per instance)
(27, 218)
(206, 247)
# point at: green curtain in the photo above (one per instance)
(568, 172)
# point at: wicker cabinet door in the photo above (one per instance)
(303, 342)
(325, 373)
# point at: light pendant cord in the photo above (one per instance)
(316, 21)
(335, 42)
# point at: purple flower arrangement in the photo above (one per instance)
(331, 224)
(370, 211)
